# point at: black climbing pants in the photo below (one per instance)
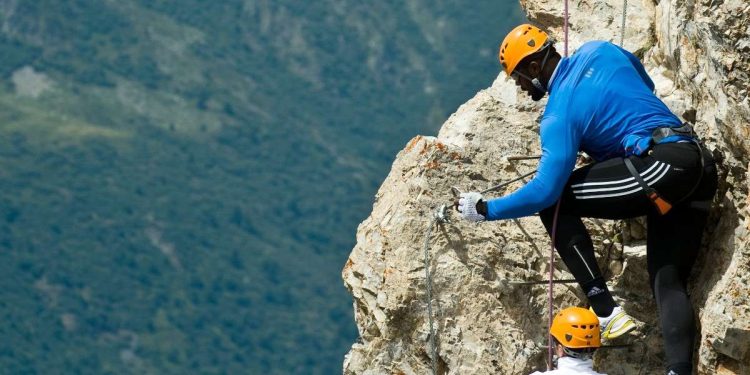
(607, 190)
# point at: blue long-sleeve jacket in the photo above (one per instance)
(601, 101)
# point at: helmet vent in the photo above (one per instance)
(531, 43)
(575, 325)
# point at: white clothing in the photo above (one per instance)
(572, 366)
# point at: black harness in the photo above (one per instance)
(659, 134)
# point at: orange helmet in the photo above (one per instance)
(576, 328)
(522, 41)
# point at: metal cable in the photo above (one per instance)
(506, 183)
(551, 281)
(520, 282)
(428, 280)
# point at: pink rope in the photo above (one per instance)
(549, 286)
(566, 28)
(550, 349)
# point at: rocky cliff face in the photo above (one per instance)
(486, 323)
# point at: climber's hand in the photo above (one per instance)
(467, 206)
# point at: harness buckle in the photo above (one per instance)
(660, 203)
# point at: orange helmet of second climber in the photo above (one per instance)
(576, 328)
(522, 41)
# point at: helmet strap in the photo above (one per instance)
(536, 82)
(584, 354)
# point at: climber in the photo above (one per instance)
(576, 336)
(646, 162)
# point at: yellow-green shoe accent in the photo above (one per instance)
(616, 324)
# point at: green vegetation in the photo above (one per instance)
(182, 196)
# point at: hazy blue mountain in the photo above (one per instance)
(181, 181)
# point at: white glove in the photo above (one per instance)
(467, 206)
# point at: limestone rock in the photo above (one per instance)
(485, 323)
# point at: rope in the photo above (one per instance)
(566, 28)
(552, 235)
(551, 281)
(624, 15)
(428, 280)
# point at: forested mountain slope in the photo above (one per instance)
(180, 180)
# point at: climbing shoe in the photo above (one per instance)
(616, 324)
